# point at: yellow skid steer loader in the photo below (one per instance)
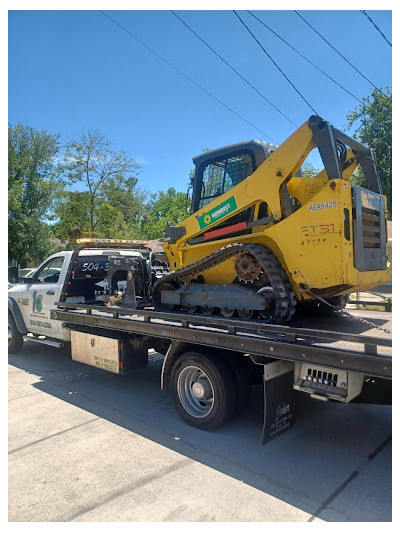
(262, 238)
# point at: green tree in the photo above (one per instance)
(73, 213)
(32, 189)
(373, 121)
(108, 202)
(163, 208)
(124, 195)
(308, 170)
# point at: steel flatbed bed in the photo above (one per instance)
(369, 355)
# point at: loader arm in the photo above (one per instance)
(304, 189)
(264, 185)
(274, 181)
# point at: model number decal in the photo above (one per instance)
(319, 229)
(317, 240)
(326, 205)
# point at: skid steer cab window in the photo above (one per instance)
(220, 176)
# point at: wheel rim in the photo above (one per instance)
(195, 391)
(207, 310)
(9, 334)
(191, 309)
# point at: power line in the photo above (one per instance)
(337, 51)
(274, 62)
(232, 68)
(185, 76)
(304, 57)
(375, 26)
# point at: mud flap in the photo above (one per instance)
(279, 412)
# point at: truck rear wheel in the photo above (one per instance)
(203, 390)
(15, 338)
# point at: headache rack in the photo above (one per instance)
(89, 243)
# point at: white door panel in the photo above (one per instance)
(39, 297)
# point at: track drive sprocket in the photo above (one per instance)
(254, 260)
(247, 267)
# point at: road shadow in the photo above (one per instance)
(303, 467)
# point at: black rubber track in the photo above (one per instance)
(285, 300)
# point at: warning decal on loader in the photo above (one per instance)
(217, 212)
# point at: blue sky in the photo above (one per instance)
(70, 70)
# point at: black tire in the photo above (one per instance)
(213, 375)
(15, 337)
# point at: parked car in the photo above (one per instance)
(26, 272)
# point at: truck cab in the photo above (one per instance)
(36, 295)
(78, 277)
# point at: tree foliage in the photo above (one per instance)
(308, 170)
(374, 127)
(73, 214)
(32, 189)
(106, 201)
(163, 208)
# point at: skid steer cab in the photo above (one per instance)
(262, 239)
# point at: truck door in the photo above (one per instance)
(40, 296)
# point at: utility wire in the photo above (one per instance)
(304, 57)
(185, 76)
(274, 62)
(337, 51)
(375, 26)
(232, 68)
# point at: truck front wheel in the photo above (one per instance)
(203, 390)
(15, 338)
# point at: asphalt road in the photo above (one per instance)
(86, 445)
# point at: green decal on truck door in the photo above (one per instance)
(217, 212)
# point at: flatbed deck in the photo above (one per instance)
(351, 349)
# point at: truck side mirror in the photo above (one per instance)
(13, 274)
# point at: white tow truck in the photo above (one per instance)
(210, 361)
(31, 300)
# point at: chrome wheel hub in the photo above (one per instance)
(195, 391)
